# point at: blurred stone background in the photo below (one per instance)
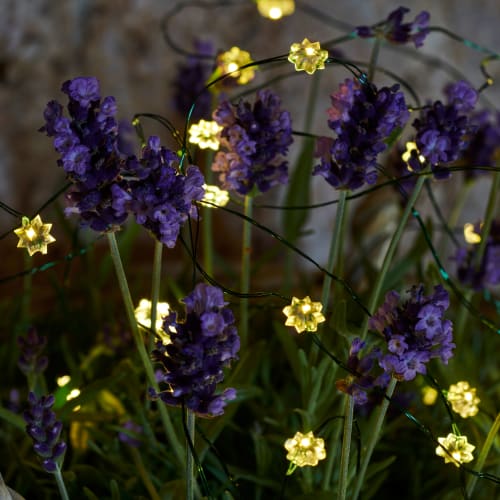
(45, 42)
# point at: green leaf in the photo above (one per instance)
(291, 350)
(298, 192)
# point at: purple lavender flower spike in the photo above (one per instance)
(395, 31)
(159, 196)
(31, 359)
(202, 345)
(487, 273)
(89, 146)
(254, 141)
(443, 129)
(45, 430)
(362, 118)
(415, 331)
(126, 438)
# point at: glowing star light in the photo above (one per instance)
(463, 399)
(410, 147)
(304, 449)
(429, 395)
(215, 195)
(34, 235)
(303, 314)
(470, 234)
(307, 56)
(205, 134)
(143, 317)
(458, 450)
(275, 9)
(230, 61)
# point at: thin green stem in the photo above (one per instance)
(373, 59)
(484, 453)
(391, 250)
(245, 269)
(139, 342)
(346, 447)
(373, 438)
(190, 479)
(60, 483)
(330, 459)
(155, 289)
(335, 248)
(207, 223)
(143, 473)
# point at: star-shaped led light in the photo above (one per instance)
(215, 195)
(230, 61)
(463, 399)
(459, 450)
(205, 134)
(307, 56)
(34, 235)
(303, 314)
(275, 9)
(470, 234)
(410, 147)
(143, 316)
(304, 449)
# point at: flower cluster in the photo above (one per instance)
(479, 275)
(394, 30)
(483, 149)
(131, 434)
(415, 331)
(363, 117)
(45, 430)
(202, 345)
(254, 140)
(160, 198)
(191, 79)
(442, 129)
(88, 145)
(31, 359)
(360, 378)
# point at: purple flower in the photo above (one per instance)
(442, 129)
(362, 117)
(88, 144)
(415, 331)
(254, 140)
(394, 30)
(159, 196)
(483, 147)
(190, 82)
(486, 273)
(360, 379)
(202, 345)
(131, 429)
(45, 430)
(31, 359)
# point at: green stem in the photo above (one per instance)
(207, 222)
(190, 479)
(346, 447)
(389, 256)
(245, 269)
(374, 435)
(335, 248)
(139, 342)
(143, 474)
(373, 59)
(330, 459)
(484, 453)
(155, 289)
(60, 483)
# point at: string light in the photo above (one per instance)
(307, 56)
(230, 61)
(205, 134)
(470, 234)
(463, 399)
(34, 235)
(304, 449)
(411, 146)
(457, 449)
(429, 395)
(303, 314)
(143, 317)
(214, 195)
(275, 9)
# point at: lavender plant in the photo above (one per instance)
(347, 394)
